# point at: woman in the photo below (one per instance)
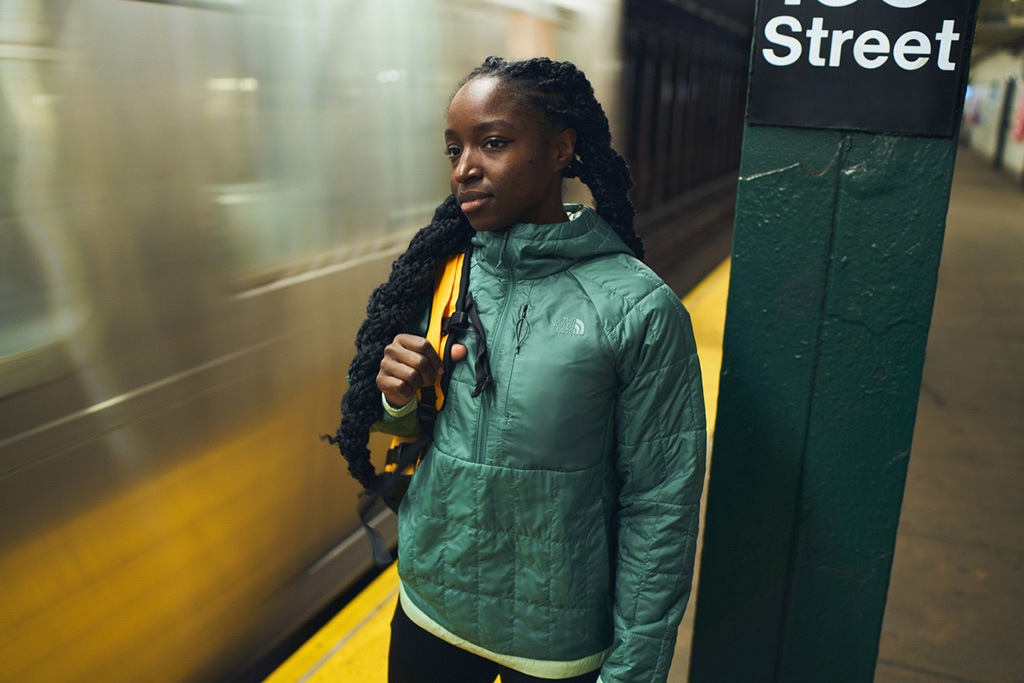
(549, 530)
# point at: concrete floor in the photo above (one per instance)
(956, 597)
(956, 600)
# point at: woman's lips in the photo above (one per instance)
(472, 203)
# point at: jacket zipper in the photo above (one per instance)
(489, 397)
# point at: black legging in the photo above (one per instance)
(417, 656)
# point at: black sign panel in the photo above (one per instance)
(876, 65)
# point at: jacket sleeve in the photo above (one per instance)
(662, 442)
(407, 424)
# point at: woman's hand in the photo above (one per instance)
(409, 364)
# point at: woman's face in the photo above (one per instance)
(506, 163)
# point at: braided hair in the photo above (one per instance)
(562, 93)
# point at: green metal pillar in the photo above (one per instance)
(835, 258)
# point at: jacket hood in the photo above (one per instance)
(531, 251)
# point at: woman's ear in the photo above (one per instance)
(564, 146)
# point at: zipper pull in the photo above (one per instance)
(522, 329)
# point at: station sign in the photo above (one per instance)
(875, 65)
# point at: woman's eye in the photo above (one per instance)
(452, 152)
(494, 143)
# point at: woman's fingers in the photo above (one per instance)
(409, 363)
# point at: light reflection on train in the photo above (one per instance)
(195, 201)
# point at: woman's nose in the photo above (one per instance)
(466, 167)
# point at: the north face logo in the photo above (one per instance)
(573, 326)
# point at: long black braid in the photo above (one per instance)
(564, 95)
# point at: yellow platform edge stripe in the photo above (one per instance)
(353, 646)
(341, 650)
(706, 304)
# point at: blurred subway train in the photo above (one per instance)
(196, 199)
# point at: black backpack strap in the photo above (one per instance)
(482, 363)
(466, 318)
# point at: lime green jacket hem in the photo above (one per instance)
(538, 668)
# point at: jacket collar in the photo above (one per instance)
(529, 251)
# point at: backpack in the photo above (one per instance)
(452, 314)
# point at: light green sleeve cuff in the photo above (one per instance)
(402, 421)
(399, 412)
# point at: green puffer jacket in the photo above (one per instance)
(552, 524)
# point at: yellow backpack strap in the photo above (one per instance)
(446, 294)
(447, 318)
(446, 300)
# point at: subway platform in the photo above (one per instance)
(955, 610)
(956, 600)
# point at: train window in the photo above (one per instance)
(25, 322)
(339, 134)
(30, 330)
(265, 140)
(319, 143)
(33, 318)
